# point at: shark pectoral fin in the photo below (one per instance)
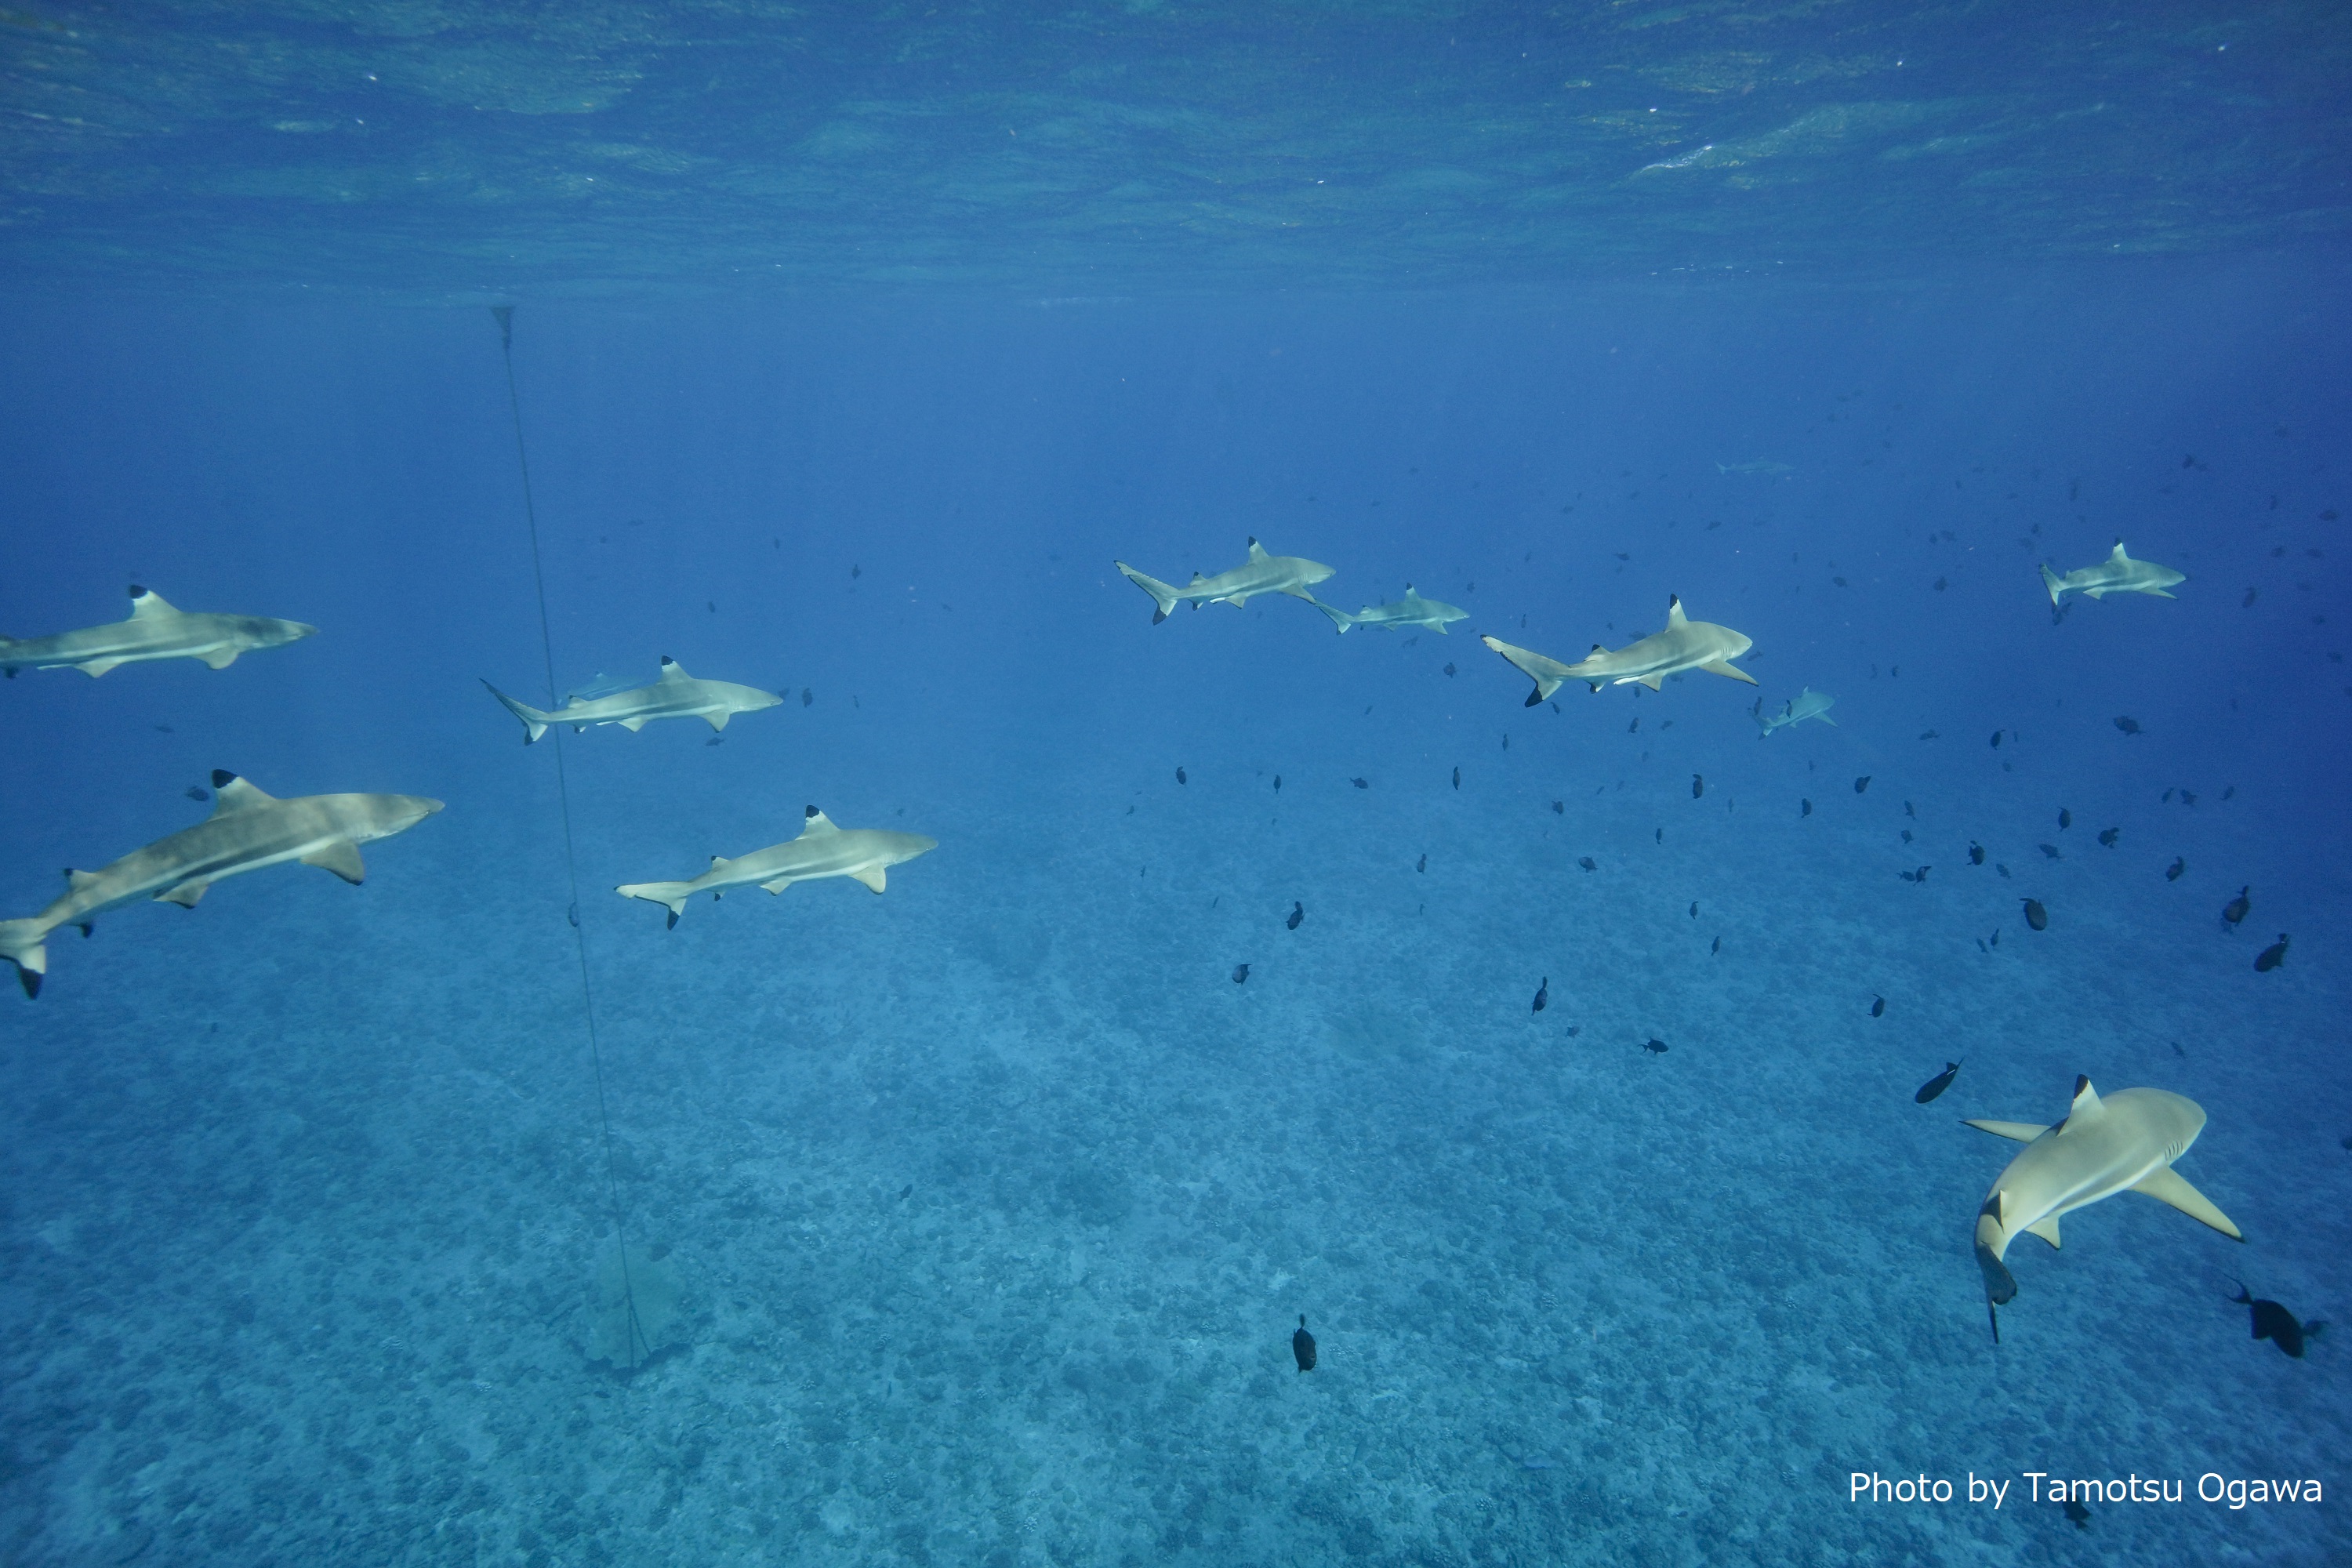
(717, 720)
(874, 877)
(2022, 1132)
(2166, 1185)
(2046, 1228)
(186, 895)
(1724, 666)
(342, 858)
(2159, 593)
(98, 666)
(220, 658)
(632, 725)
(778, 886)
(1826, 720)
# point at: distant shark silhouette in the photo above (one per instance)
(2118, 574)
(1806, 704)
(677, 695)
(1684, 644)
(246, 831)
(1261, 573)
(863, 854)
(156, 630)
(1412, 610)
(2125, 1142)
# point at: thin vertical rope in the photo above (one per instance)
(505, 315)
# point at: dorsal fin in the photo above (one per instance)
(672, 670)
(1409, 592)
(231, 794)
(146, 602)
(2086, 1108)
(2119, 554)
(1257, 550)
(77, 880)
(817, 822)
(1597, 651)
(1674, 616)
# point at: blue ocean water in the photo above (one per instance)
(971, 1223)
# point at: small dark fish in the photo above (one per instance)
(711, 606)
(2230, 793)
(1449, 670)
(1995, 936)
(1878, 1007)
(2237, 908)
(2065, 819)
(2167, 797)
(198, 791)
(1457, 778)
(1862, 783)
(2107, 836)
(1976, 853)
(2274, 1322)
(2248, 602)
(1698, 787)
(1362, 784)
(1302, 1345)
(572, 914)
(1297, 913)
(1804, 809)
(807, 696)
(1918, 876)
(857, 571)
(2035, 915)
(2051, 850)
(1906, 836)
(1423, 864)
(1543, 994)
(1662, 835)
(1693, 913)
(2127, 725)
(1996, 740)
(1588, 863)
(1932, 735)
(1656, 1048)
(1179, 776)
(1936, 1085)
(905, 1192)
(1634, 727)
(1999, 867)
(2188, 797)
(1560, 808)
(164, 728)
(1278, 784)
(2172, 872)
(716, 741)
(1718, 947)
(1241, 974)
(2077, 1515)
(2272, 956)
(1908, 812)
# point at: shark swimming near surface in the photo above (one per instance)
(1806, 704)
(1261, 573)
(156, 630)
(246, 831)
(2125, 1142)
(1684, 644)
(2118, 574)
(1412, 610)
(677, 695)
(863, 854)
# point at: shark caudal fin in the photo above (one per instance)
(670, 895)
(1339, 618)
(1163, 597)
(2050, 581)
(534, 722)
(24, 943)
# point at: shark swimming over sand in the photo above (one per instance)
(2118, 574)
(1412, 610)
(677, 695)
(865, 854)
(1684, 644)
(246, 831)
(1261, 573)
(1806, 704)
(156, 630)
(2125, 1142)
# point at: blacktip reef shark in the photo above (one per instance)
(866, 854)
(2125, 1142)
(1261, 573)
(677, 695)
(1806, 704)
(246, 831)
(156, 630)
(2118, 574)
(1684, 644)
(1412, 610)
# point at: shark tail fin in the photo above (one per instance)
(1163, 597)
(1339, 618)
(534, 722)
(2050, 581)
(24, 943)
(672, 896)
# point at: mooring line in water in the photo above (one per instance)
(504, 314)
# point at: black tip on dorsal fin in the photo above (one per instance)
(811, 811)
(1302, 1319)
(222, 778)
(668, 661)
(136, 591)
(2082, 1082)
(1253, 539)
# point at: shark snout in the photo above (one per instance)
(408, 810)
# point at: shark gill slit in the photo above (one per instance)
(637, 1348)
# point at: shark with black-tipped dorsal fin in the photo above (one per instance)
(2123, 1143)
(1261, 573)
(1412, 610)
(677, 695)
(2118, 574)
(1683, 644)
(246, 831)
(862, 854)
(1806, 704)
(156, 630)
